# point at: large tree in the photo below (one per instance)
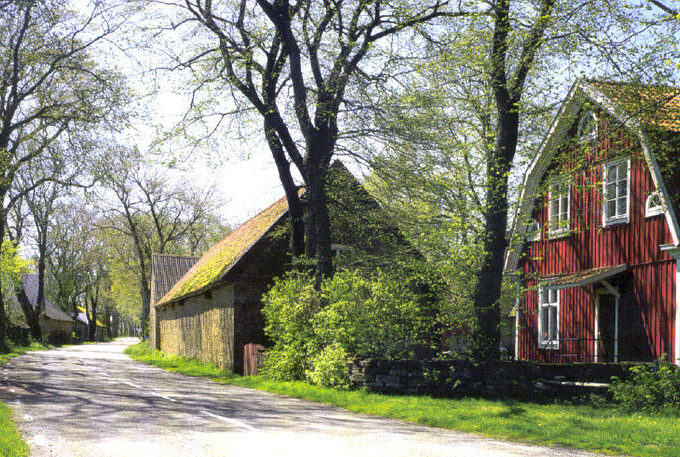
(50, 85)
(490, 95)
(298, 66)
(155, 215)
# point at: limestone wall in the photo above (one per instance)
(202, 327)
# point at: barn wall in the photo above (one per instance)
(202, 328)
(56, 332)
(648, 302)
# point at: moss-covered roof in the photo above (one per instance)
(225, 254)
(657, 106)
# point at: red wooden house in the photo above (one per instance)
(595, 241)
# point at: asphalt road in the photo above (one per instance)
(93, 401)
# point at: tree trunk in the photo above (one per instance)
(4, 323)
(31, 313)
(92, 318)
(488, 288)
(317, 228)
(42, 249)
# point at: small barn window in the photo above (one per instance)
(548, 318)
(587, 127)
(616, 199)
(654, 205)
(558, 207)
(533, 231)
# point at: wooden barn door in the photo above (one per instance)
(606, 328)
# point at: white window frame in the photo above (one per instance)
(550, 343)
(619, 218)
(533, 230)
(651, 211)
(564, 228)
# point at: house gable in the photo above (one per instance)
(658, 136)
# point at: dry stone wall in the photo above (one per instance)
(487, 378)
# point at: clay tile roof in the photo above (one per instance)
(166, 270)
(225, 254)
(653, 105)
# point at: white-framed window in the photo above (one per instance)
(548, 318)
(533, 232)
(559, 199)
(654, 204)
(587, 127)
(616, 201)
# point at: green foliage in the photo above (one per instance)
(650, 387)
(11, 444)
(285, 362)
(353, 314)
(377, 315)
(329, 368)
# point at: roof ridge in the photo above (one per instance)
(156, 254)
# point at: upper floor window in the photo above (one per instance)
(616, 200)
(558, 207)
(587, 126)
(548, 318)
(654, 204)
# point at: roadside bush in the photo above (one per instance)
(285, 363)
(648, 389)
(315, 332)
(329, 368)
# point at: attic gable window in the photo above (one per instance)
(558, 207)
(654, 205)
(587, 127)
(616, 201)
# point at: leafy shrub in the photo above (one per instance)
(285, 363)
(329, 368)
(648, 388)
(375, 314)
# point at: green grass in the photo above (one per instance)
(18, 350)
(11, 444)
(607, 429)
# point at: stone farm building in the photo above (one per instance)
(598, 249)
(166, 270)
(215, 308)
(56, 325)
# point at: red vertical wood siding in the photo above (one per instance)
(647, 305)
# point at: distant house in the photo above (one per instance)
(597, 245)
(56, 325)
(215, 308)
(166, 270)
(82, 326)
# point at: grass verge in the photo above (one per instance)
(11, 444)
(606, 429)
